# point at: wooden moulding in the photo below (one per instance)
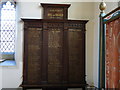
(55, 11)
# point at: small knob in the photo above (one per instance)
(102, 6)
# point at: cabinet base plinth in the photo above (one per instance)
(54, 89)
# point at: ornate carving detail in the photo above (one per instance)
(56, 25)
(75, 26)
(33, 24)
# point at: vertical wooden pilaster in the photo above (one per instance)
(45, 54)
(65, 53)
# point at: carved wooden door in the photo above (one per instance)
(54, 53)
(32, 53)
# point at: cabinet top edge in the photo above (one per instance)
(54, 5)
(53, 20)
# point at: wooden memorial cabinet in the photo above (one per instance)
(54, 50)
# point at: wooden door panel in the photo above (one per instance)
(34, 56)
(76, 55)
(54, 53)
(55, 47)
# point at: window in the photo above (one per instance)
(7, 30)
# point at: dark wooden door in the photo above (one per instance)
(54, 53)
(76, 55)
(34, 55)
